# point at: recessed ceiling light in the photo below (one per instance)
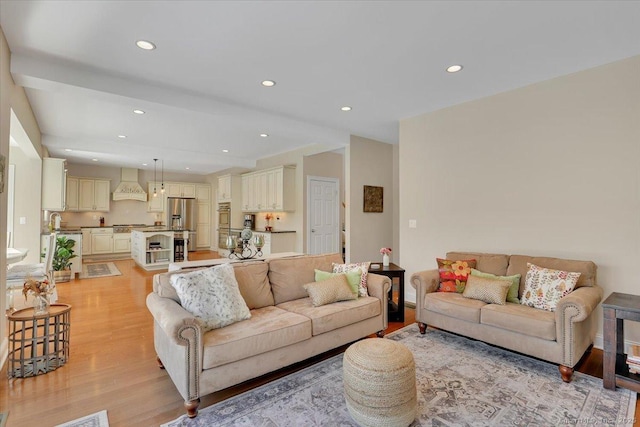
(94, 160)
(225, 151)
(122, 136)
(187, 168)
(264, 135)
(346, 108)
(145, 44)
(144, 164)
(454, 68)
(138, 111)
(268, 83)
(68, 149)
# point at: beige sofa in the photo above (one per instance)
(284, 327)
(560, 337)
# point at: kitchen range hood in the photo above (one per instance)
(129, 189)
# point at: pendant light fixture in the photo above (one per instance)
(162, 188)
(155, 164)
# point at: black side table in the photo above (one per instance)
(615, 371)
(396, 310)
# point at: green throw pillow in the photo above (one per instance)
(353, 277)
(512, 296)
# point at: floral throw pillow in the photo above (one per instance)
(364, 266)
(212, 295)
(543, 287)
(453, 274)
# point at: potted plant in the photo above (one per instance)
(61, 257)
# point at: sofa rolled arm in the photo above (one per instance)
(176, 322)
(427, 280)
(378, 286)
(579, 304)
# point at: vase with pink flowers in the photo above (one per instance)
(385, 256)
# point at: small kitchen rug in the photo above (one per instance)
(99, 419)
(103, 269)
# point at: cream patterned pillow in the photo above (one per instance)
(491, 291)
(212, 296)
(333, 289)
(544, 287)
(364, 266)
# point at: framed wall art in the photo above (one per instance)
(372, 199)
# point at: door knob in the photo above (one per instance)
(313, 231)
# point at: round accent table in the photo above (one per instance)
(379, 377)
(38, 344)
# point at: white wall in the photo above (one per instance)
(13, 98)
(549, 169)
(368, 162)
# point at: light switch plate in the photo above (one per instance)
(413, 223)
(23, 220)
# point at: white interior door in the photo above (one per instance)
(323, 228)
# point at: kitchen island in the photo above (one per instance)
(153, 248)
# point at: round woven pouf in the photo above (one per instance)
(379, 378)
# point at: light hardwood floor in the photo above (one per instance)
(112, 363)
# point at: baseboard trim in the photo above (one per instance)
(599, 343)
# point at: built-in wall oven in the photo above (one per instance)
(224, 215)
(224, 224)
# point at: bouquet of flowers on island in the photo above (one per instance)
(41, 290)
(385, 251)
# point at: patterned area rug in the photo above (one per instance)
(459, 381)
(104, 269)
(99, 419)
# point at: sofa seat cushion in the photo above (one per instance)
(520, 318)
(268, 328)
(454, 305)
(333, 316)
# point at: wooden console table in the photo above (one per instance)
(38, 344)
(615, 372)
(396, 310)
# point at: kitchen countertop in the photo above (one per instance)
(156, 229)
(259, 231)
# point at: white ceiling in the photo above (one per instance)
(201, 87)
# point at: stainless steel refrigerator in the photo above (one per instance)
(182, 214)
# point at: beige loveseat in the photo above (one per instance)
(561, 336)
(284, 327)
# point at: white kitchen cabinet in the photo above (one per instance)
(121, 243)
(101, 241)
(203, 227)
(54, 183)
(269, 190)
(179, 189)
(249, 192)
(72, 200)
(93, 194)
(203, 193)
(86, 241)
(224, 188)
(156, 204)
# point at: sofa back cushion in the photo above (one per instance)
(288, 275)
(251, 277)
(487, 263)
(253, 281)
(587, 269)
